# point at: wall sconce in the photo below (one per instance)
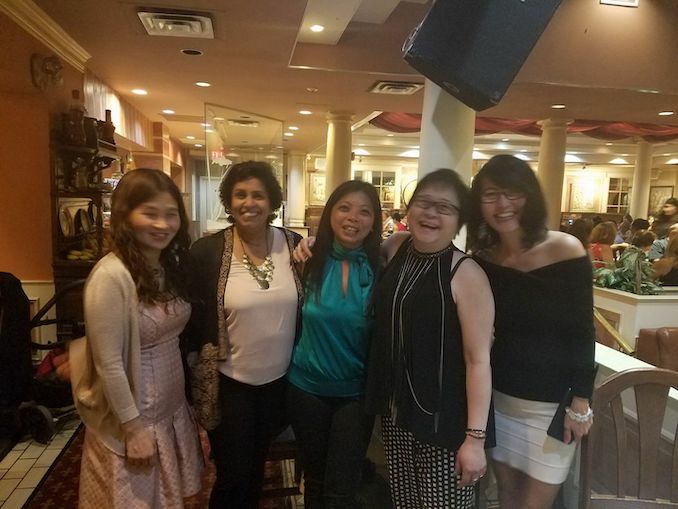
(46, 71)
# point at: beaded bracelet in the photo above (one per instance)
(480, 434)
(586, 417)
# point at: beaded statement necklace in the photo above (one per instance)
(263, 275)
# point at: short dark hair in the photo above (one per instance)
(396, 216)
(246, 170)
(643, 238)
(313, 272)
(450, 179)
(639, 224)
(511, 173)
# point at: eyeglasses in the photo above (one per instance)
(443, 208)
(493, 196)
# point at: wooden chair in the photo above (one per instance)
(636, 469)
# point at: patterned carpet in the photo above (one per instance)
(59, 488)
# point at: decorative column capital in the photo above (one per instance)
(554, 123)
(339, 116)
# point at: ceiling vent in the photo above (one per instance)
(396, 87)
(177, 24)
(236, 122)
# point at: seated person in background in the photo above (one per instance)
(658, 249)
(398, 222)
(581, 228)
(623, 229)
(636, 225)
(637, 251)
(601, 239)
(666, 269)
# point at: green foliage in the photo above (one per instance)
(633, 274)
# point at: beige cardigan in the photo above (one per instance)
(106, 366)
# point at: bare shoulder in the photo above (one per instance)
(390, 246)
(469, 275)
(560, 246)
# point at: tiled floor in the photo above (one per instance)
(25, 465)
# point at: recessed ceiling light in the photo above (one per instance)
(288, 134)
(218, 118)
(504, 139)
(672, 161)
(361, 152)
(305, 112)
(558, 106)
(608, 143)
(191, 52)
(190, 137)
(361, 144)
(139, 91)
(523, 157)
(209, 130)
(667, 113)
(571, 158)
(619, 160)
(204, 124)
(523, 150)
(316, 28)
(390, 135)
(312, 90)
(203, 84)
(270, 156)
(409, 153)
(197, 145)
(168, 112)
(293, 128)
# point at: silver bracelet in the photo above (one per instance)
(586, 417)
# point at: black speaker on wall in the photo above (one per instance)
(474, 48)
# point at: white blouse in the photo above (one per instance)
(261, 323)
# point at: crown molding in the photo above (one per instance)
(37, 23)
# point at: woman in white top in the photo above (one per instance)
(243, 328)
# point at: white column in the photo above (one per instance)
(446, 140)
(296, 189)
(338, 156)
(551, 170)
(447, 131)
(640, 192)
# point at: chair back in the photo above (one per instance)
(635, 474)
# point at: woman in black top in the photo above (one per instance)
(428, 371)
(544, 339)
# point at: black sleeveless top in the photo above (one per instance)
(416, 372)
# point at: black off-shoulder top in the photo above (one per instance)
(544, 336)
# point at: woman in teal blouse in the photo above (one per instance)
(327, 373)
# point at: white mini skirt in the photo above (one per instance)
(522, 442)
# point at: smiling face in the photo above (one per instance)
(351, 219)
(154, 224)
(433, 218)
(501, 208)
(250, 205)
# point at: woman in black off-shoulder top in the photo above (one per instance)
(544, 338)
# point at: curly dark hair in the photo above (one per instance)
(313, 272)
(137, 187)
(246, 170)
(514, 174)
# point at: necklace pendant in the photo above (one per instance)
(263, 284)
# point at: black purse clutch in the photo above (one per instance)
(557, 426)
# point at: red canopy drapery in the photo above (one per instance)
(411, 123)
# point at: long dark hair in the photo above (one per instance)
(313, 272)
(136, 187)
(514, 174)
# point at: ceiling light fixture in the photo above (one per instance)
(217, 118)
(139, 91)
(203, 84)
(571, 158)
(316, 28)
(523, 157)
(209, 130)
(409, 153)
(504, 139)
(189, 137)
(168, 112)
(390, 135)
(191, 52)
(619, 160)
(558, 106)
(204, 124)
(608, 143)
(293, 128)
(312, 90)
(672, 161)
(197, 145)
(361, 152)
(622, 3)
(667, 113)
(288, 134)
(305, 112)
